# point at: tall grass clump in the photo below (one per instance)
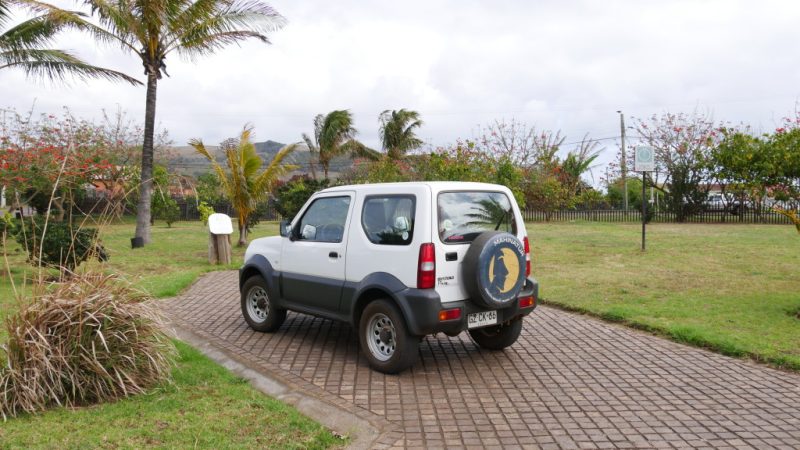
(88, 338)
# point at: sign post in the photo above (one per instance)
(644, 161)
(220, 229)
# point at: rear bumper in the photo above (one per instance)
(421, 309)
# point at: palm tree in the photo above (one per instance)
(24, 45)
(242, 183)
(578, 162)
(397, 132)
(334, 135)
(153, 29)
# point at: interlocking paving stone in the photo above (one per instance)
(569, 382)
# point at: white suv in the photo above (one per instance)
(398, 261)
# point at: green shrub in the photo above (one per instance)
(7, 226)
(165, 208)
(290, 197)
(64, 245)
(205, 211)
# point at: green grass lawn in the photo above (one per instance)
(206, 406)
(174, 259)
(731, 288)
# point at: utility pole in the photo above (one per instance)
(624, 162)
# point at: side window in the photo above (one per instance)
(389, 220)
(324, 220)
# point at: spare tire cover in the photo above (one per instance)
(494, 269)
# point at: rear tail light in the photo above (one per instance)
(527, 257)
(526, 302)
(449, 314)
(426, 270)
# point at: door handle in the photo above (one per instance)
(333, 255)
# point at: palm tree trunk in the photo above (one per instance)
(242, 234)
(143, 212)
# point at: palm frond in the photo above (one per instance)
(200, 148)
(276, 168)
(24, 46)
(4, 12)
(319, 125)
(397, 131)
(210, 27)
(312, 147)
(358, 150)
(57, 65)
(78, 21)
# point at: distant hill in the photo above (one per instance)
(185, 160)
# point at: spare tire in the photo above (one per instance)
(494, 269)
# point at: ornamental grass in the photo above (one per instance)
(86, 339)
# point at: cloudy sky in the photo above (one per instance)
(565, 65)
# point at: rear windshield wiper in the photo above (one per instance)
(502, 218)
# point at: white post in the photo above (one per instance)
(3, 198)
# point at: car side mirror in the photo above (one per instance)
(286, 228)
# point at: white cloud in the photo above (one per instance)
(553, 64)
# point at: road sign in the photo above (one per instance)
(644, 159)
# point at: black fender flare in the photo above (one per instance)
(259, 265)
(384, 282)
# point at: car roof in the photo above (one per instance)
(434, 186)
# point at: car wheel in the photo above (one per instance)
(497, 337)
(257, 308)
(385, 339)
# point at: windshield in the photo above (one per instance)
(465, 215)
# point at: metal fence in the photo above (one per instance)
(189, 212)
(750, 216)
(188, 209)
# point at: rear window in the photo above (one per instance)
(465, 215)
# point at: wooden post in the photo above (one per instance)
(219, 239)
(224, 248)
(219, 248)
(212, 249)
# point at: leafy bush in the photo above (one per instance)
(165, 208)
(261, 210)
(88, 339)
(205, 211)
(209, 188)
(7, 225)
(64, 245)
(290, 197)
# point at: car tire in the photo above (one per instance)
(497, 337)
(385, 339)
(482, 256)
(258, 310)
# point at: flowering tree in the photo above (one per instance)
(47, 162)
(784, 178)
(522, 145)
(682, 144)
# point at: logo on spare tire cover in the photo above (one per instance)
(503, 271)
(493, 266)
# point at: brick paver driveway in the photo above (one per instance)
(570, 382)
